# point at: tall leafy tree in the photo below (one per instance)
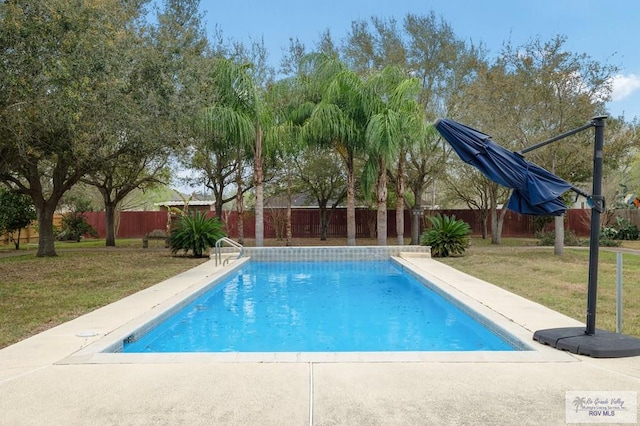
(137, 153)
(16, 212)
(534, 92)
(215, 165)
(164, 65)
(290, 106)
(292, 57)
(319, 173)
(442, 61)
(426, 164)
(459, 179)
(624, 146)
(374, 44)
(61, 70)
(445, 65)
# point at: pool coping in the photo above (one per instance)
(514, 314)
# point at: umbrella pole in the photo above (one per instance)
(577, 340)
(594, 239)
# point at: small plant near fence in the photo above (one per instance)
(625, 229)
(73, 226)
(447, 236)
(195, 233)
(622, 229)
(74, 223)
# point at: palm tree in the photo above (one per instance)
(338, 119)
(395, 122)
(238, 114)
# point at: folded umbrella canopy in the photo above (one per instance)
(536, 191)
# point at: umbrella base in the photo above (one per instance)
(601, 344)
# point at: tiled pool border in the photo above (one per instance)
(108, 349)
(481, 317)
(330, 253)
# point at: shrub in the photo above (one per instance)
(623, 229)
(608, 232)
(627, 230)
(608, 242)
(195, 233)
(447, 236)
(549, 238)
(74, 225)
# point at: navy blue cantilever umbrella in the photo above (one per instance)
(536, 191)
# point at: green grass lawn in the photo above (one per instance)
(39, 293)
(558, 282)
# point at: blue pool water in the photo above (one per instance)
(319, 307)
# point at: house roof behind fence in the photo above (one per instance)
(181, 203)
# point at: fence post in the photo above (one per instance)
(618, 292)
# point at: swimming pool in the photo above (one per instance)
(320, 307)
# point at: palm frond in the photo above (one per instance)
(384, 133)
(228, 123)
(369, 177)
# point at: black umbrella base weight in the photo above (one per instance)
(601, 344)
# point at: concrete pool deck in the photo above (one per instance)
(57, 378)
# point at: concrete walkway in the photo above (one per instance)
(54, 378)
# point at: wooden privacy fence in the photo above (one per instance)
(306, 223)
(129, 224)
(29, 235)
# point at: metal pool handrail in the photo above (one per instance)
(232, 243)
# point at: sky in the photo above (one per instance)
(604, 30)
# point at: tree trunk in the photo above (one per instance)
(240, 206)
(46, 240)
(288, 224)
(400, 201)
(110, 223)
(16, 242)
(493, 212)
(372, 222)
(483, 218)
(500, 223)
(382, 203)
(497, 221)
(324, 222)
(558, 242)
(259, 189)
(415, 227)
(218, 206)
(351, 202)
(415, 222)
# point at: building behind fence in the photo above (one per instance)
(306, 223)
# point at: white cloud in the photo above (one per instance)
(624, 86)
